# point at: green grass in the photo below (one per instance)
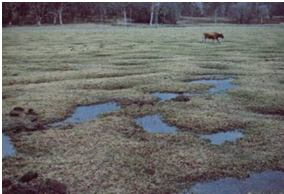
(54, 68)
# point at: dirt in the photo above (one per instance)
(182, 98)
(31, 183)
(269, 111)
(21, 119)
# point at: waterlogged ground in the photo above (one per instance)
(8, 148)
(219, 86)
(221, 137)
(155, 124)
(88, 113)
(53, 69)
(265, 182)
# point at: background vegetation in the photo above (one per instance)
(169, 13)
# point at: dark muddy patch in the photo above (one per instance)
(217, 66)
(219, 85)
(101, 54)
(180, 97)
(22, 119)
(183, 98)
(88, 113)
(8, 148)
(268, 111)
(155, 124)
(139, 102)
(281, 81)
(221, 137)
(33, 183)
(265, 182)
(131, 63)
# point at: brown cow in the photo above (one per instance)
(213, 36)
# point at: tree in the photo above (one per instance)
(152, 13)
(212, 9)
(169, 13)
(241, 12)
(22, 13)
(277, 9)
(157, 13)
(10, 12)
(57, 12)
(123, 8)
(39, 10)
(263, 12)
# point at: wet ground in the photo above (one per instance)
(155, 124)
(221, 137)
(220, 85)
(265, 182)
(8, 148)
(165, 95)
(88, 113)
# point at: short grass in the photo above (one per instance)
(54, 68)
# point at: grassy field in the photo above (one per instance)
(52, 69)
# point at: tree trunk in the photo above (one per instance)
(54, 19)
(124, 16)
(101, 15)
(157, 14)
(215, 16)
(152, 14)
(38, 21)
(105, 14)
(60, 16)
(130, 14)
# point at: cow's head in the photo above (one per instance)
(221, 36)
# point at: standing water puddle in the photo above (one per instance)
(155, 124)
(220, 86)
(7, 147)
(88, 113)
(165, 95)
(265, 182)
(222, 137)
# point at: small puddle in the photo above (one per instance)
(220, 85)
(8, 148)
(222, 137)
(165, 95)
(265, 182)
(155, 124)
(88, 113)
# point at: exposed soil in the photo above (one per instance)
(31, 183)
(22, 119)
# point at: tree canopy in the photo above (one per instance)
(29, 13)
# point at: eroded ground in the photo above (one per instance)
(54, 69)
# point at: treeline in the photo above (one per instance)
(21, 13)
